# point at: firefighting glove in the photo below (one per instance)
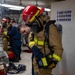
(53, 63)
(53, 60)
(42, 63)
(48, 61)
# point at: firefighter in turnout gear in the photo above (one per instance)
(46, 51)
(5, 37)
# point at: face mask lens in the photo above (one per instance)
(34, 27)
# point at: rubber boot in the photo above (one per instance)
(16, 59)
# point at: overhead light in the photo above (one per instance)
(15, 8)
(46, 9)
(11, 6)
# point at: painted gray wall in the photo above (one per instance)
(67, 65)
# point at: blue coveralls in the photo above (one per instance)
(15, 40)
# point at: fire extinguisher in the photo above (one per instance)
(2, 69)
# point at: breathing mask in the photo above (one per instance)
(37, 24)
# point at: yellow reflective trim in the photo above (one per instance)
(50, 56)
(5, 32)
(39, 42)
(56, 57)
(31, 43)
(4, 39)
(34, 16)
(44, 61)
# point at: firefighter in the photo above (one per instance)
(44, 59)
(6, 24)
(4, 30)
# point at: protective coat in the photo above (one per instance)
(54, 41)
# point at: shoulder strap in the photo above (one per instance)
(47, 34)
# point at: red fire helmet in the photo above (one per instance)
(29, 13)
(4, 20)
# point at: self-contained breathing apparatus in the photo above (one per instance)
(47, 59)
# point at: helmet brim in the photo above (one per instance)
(41, 10)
